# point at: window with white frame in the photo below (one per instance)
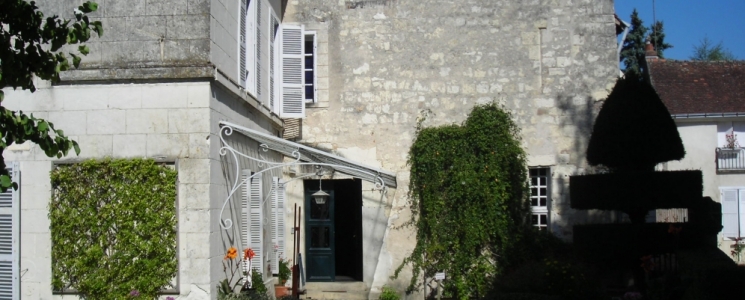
(309, 51)
(539, 197)
(733, 212)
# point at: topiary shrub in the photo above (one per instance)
(634, 129)
(468, 192)
(113, 227)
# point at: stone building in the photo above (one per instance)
(382, 65)
(342, 83)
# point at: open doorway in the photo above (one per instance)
(334, 231)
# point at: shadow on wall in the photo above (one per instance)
(577, 117)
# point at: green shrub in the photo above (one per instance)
(113, 227)
(468, 192)
(389, 294)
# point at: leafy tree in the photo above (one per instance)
(469, 199)
(657, 38)
(632, 53)
(708, 51)
(32, 45)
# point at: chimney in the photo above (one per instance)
(649, 52)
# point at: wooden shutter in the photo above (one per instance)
(9, 239)
(292, 92)
(242, 51)
(278, 224)
(255, 230)
(730, 222)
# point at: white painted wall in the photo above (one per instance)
(700, 140)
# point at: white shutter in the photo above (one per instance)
(741, 215)
(242, 51)
(245, 209)
(292, 91)
(260, 36)
(250, 47)
(255, 222)
(9, 239)
(729, 212)
(272, 57)
(278, 227)
(275, 228)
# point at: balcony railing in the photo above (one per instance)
(730, 159)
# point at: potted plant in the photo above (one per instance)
(280, 289)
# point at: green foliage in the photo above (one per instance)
(634, 129)
(469, 199)
(284, 270)
(389, 294)
(259, 291)
(657, 38)
(708, 51)
(31, 44)
(544, 267)
(632, 53)
(113, 227)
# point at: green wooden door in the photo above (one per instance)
(319, 238)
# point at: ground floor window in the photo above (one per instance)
(539, 196)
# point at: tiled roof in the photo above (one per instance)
(688, 87)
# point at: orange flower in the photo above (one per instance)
(232, 253)
(248, 253)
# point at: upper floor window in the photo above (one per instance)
(309, 52)
(539, 197)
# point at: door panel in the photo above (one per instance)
(319, 235)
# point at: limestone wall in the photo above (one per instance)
(384, 64)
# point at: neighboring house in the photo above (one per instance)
(707, 101)
(340, 85)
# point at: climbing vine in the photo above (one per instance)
(113, 227)
(469, 199)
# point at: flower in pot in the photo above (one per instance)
(284, 271)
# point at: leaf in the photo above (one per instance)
(2, 94)
(89, 7)
(43, 126)
(75, 60)
(76, 147)
(84, 49)
(5, 182)
(98, 28)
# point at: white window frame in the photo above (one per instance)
(540, 188)
(729, 209)
(313, 68)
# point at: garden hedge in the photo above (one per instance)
(636, 190)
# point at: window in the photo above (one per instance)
(539, 197)
(733, 212)
(309, 52)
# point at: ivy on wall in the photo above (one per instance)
(468, 192)
(113, 227)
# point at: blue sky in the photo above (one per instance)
(687, 22)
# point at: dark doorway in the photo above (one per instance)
(334, 231)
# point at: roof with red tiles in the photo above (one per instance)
(692, 87)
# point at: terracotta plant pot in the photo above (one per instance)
(280, 291)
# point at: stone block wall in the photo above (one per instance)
(392, 62)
